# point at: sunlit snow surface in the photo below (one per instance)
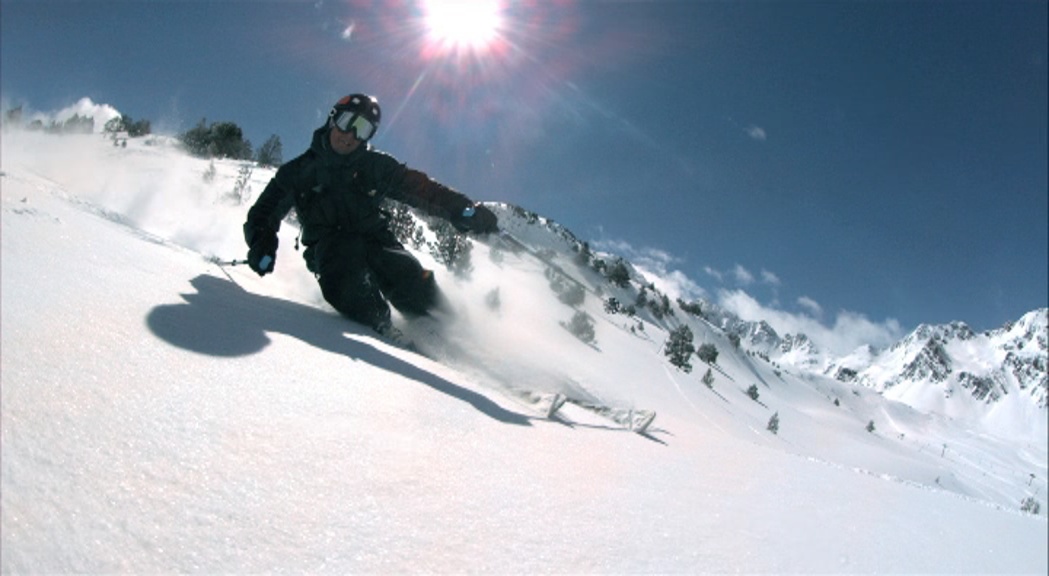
(159, 417)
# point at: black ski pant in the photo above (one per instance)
(360, 276)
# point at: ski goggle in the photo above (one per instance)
(347, 121)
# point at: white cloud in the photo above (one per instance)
(84, 107)
(770, 278)
(658, 267)
(849, 331)
(674, 283)
(618, 247)
(756, 132)
(102, 113)
(810, 305)
(742, 275)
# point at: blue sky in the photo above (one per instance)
(834, 164)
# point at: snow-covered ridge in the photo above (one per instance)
(974, 373)
(977, 373)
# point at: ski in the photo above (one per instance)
(637, 421)
(555, 404)
(641, 424)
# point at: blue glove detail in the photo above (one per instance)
(263, 253)
(478, 219)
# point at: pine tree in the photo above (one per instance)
(582, 326)
(124, 123)
(679, 348)
(139, 128)
(492, 299)
(753, 392)
(221, 139)
(619, 275)
(401, 221)
(115, 125)
(708, 379)
(196, 139)
(573, 295)
(241, 192)
(585, 254)
(690, 308)
(227, 141)
(734, 340)
(774, 423)
(567, 291)
(271, 153)
(642, 297)
(708, 353)
(452, 249)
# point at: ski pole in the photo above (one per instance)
(228, 262)
(222, 266)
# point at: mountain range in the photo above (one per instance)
(996, 378)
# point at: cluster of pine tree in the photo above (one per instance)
(76, 125)
(567, 291)
(226, 140)
(452, 248)
(133, 128)
(403, 224)
(219, 140)
(582, 326)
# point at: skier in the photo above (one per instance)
(337, 188)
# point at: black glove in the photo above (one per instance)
(477, 218)
(262, 254)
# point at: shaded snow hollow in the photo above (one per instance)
(161, 416)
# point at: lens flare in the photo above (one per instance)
(463, 24)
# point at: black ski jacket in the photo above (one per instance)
(342, 194)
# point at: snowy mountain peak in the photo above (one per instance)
(1033, 327)
(801, 352)
(1025, 346)
(797, 342)
(758, 335)
(948, 368)
(968, 369)
(925, 333)
(930, 364)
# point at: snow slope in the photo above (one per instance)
(161, 416)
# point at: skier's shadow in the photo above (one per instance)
(222, 319)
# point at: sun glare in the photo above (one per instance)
(472, 24)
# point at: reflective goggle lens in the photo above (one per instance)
(361, 127)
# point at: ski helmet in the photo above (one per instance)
(358, 113)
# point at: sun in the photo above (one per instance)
(463, 24)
